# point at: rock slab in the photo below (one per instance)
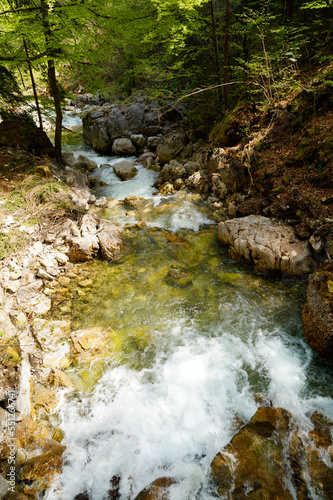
(269, 246)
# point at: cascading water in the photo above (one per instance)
(187, 357)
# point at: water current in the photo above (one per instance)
(195, 338)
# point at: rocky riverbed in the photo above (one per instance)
(46, 290)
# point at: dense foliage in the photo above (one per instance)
(219, 52)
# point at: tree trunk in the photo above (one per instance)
(52, 79)
(33, 85)
(216, 51)
(226, 49)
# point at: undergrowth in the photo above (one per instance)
(36, 201)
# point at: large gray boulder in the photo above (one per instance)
(95, 132)
(269, 246)
(170, 172)
(123, 146)
(125, 170)
(171, 146)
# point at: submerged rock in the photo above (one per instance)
(125, 170)
(270, 246)
(39, 472)
(158, 490)
(271, 457)
(317, 317)
(110, 240)
(252, 465)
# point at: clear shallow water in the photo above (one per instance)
(195, 338)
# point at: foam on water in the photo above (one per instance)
(171, 419)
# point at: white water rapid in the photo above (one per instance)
(212, 348)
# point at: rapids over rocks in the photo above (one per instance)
(195, 344)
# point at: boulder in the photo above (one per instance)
(39, 472)
(171, 146)
(49, 333)
(7, 328)
(136, 202)
(219, 189)
(26, 136)
(112, 245)
(317, 317)
(31, 300)
(142, 158)
(91, 344)
(125, 170)
(252, 465)
(95, 132)
(138, 140)
(198, 182)
(269, 246)
(154, 141)
(82, 249)
(233, 172)
(158, 490)
(84, 161)
(123, 146)
(170, 172)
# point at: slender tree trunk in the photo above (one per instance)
(52, 79)
(226, 49)
(216, 51)
(33, 85)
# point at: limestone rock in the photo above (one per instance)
(142, 158)
(135, 201)
(110, 241)
(42, 469)
(233, 172)
(198, 182)
(123, 146)
(317, 317)
(171, 146)
(59, 378)
(167, 188)
(219, 189)
(7, 328)
(253, 465)
(138, 140)
(95, 132)
(269, 246)
(12, 285)
(31, 300)
(170, 172)
(154, 141)
(49, 333)
(84, 161)
(158, 490)
(125, 170)
(91, 343)
(83, 248)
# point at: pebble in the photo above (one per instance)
(61, 258)
(12, 286)
(41, 273)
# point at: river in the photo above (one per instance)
(189, 354)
